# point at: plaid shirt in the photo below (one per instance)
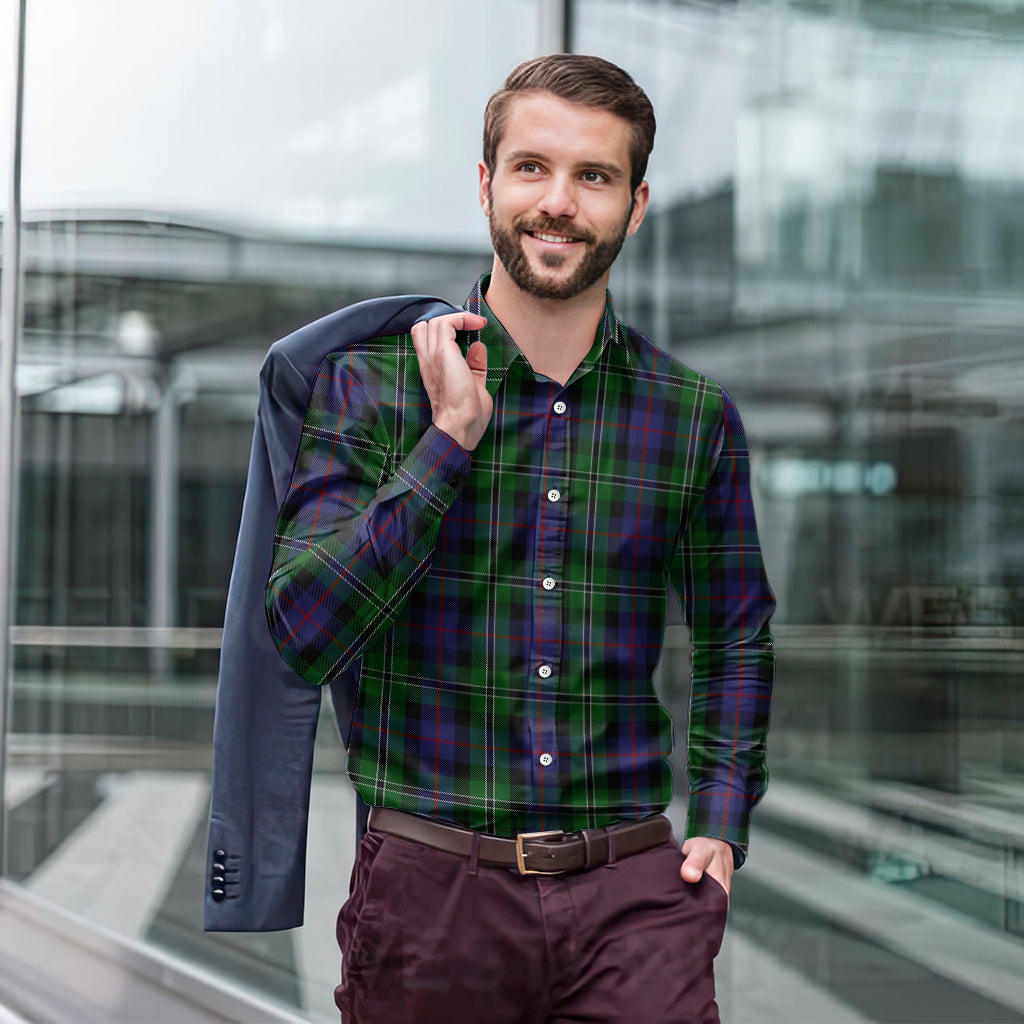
(508, 605)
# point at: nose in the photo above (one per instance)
(559, 198)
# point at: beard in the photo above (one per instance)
(599, 255)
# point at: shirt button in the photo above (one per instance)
(554, 495)
(548, 583)
(546, 759)
(559, 407)
(544, 671)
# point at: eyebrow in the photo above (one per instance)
(611, 170)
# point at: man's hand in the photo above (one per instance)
(710, 855)
(459, 401)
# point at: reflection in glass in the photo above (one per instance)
(201, 178)
(836, 236)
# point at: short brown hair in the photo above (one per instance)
(577, 78)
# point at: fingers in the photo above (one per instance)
(434, 340)
(446, 326)
(432, 337)
(704, 854)
(456, 386)
(473, 322)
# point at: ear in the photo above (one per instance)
(485, 182)
(640, 199)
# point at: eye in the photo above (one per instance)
(529, 167)
(594, 177)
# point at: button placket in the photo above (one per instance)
(548, 611)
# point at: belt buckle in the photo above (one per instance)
(520, 855)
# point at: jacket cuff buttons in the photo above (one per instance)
(218, 875)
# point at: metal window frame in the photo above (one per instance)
(10, 326)
(555, 19)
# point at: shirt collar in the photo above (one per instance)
(502, 350)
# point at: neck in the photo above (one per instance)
(553, 334)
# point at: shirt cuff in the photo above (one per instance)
(707, 816)
(438, 467)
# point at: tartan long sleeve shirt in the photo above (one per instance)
(508, 605)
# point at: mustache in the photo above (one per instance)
(552, 226)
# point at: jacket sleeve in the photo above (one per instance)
(266, 714)
(355, 535)
(727, 603)
(263, 733)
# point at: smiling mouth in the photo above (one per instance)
(546, 237)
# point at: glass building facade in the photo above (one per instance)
(836, 234)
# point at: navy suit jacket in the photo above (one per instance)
(266, 714)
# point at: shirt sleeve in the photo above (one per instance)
(355, 533)
(727, 603)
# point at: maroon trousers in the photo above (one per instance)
(432, 938)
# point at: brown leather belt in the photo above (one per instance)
(530, 853)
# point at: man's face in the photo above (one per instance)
(559, 203)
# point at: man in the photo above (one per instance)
(486, 512)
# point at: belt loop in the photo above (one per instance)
(585, 833)
(611, 848)
(474, 854)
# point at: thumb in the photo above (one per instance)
(694, 864)
(477, 358)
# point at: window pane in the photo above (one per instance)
(836, 236)
(201, 177)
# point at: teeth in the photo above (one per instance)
(551, 238)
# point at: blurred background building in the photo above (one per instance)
(836, 235)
